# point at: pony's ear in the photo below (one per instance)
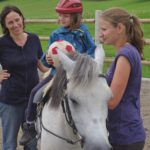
(67, 63)
(99, 56)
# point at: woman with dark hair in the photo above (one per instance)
(20, 54)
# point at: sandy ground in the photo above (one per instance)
(145, 107)
(145, 102)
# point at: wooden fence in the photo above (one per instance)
(87, 21)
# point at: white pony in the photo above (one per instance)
(80, 123)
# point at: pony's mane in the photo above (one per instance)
(85, 70)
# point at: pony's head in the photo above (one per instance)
(88, 94)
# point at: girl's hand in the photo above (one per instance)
(49, 60)
(4, 75)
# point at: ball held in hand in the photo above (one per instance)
(62, 45)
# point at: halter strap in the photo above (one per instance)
(60, 137)
(67, 112)
(70, 141)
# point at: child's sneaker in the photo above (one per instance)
(29, 133)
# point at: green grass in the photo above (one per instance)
(46, 9)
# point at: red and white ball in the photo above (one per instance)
(62, 45)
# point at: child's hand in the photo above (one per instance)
(49, 60)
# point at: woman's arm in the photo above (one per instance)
(120, 81)
(4, 75)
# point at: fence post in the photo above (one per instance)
(97, 26)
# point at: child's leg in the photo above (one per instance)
(29, 131)
(31, 109)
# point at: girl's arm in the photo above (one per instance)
(90, 44)
(120, 81)
(41, 67)
(88, 41)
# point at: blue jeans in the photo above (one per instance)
(12, 117)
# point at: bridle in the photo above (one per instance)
(68, 116)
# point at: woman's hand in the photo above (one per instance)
(4, 75)
(49, 60)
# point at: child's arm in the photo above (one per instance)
(88, 41)
(90, 44)
(41, 67)
(52, 38)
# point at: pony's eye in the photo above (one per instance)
(73, 101)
